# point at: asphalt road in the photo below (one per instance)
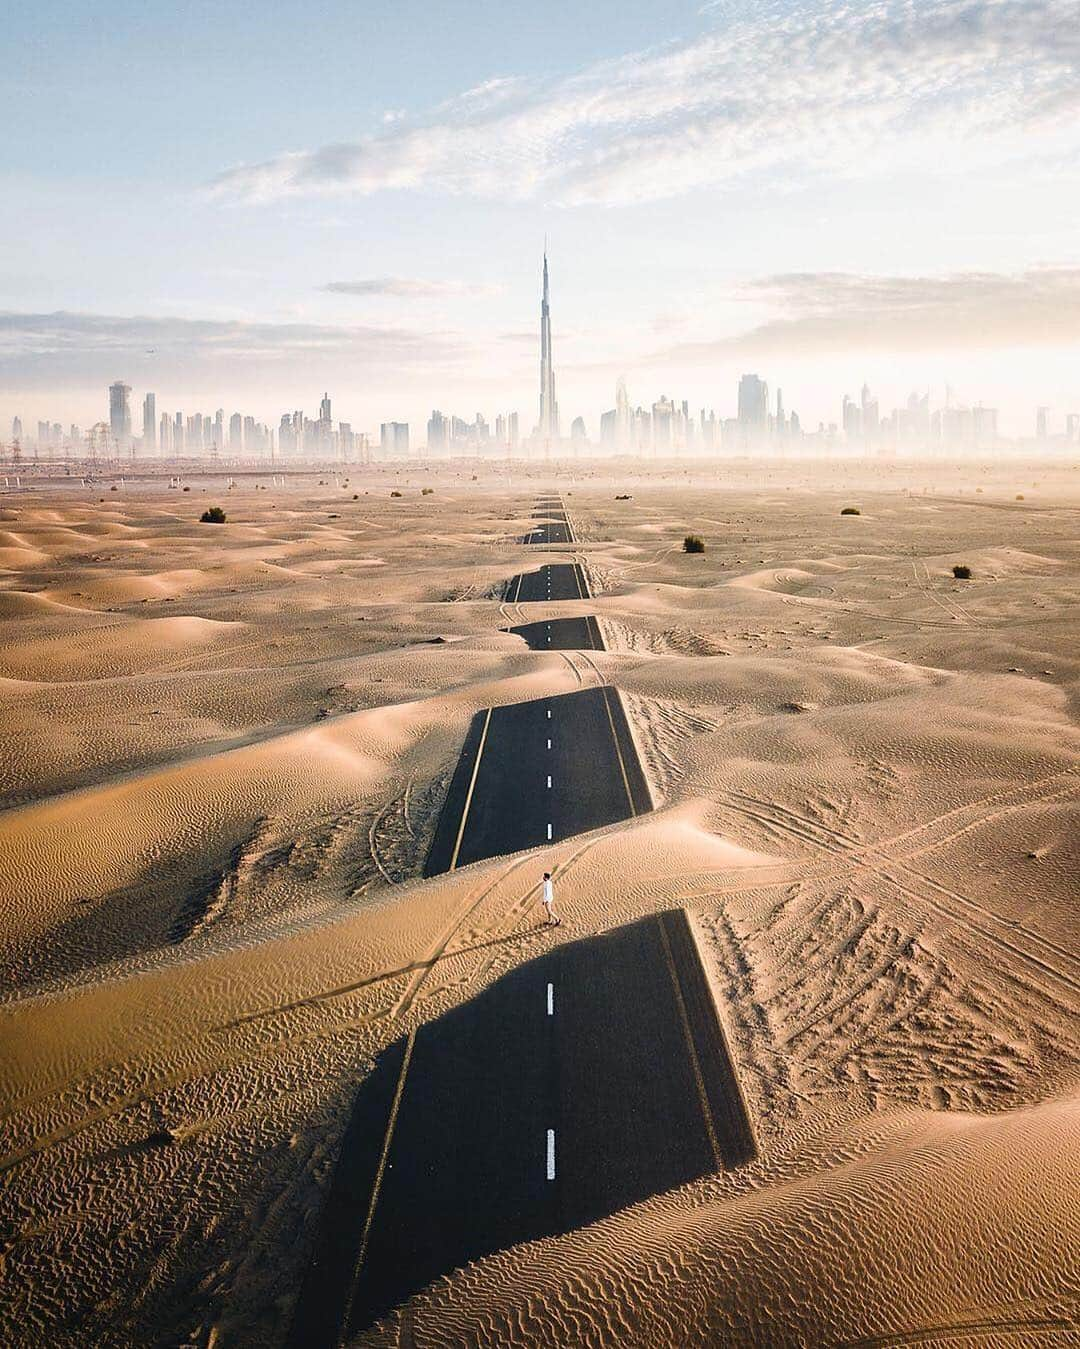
(555, 581)
(586, 1080)
(538, 772)
(562, 634)
(591, 1077)
(550, 531)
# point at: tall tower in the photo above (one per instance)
(548, 429)
(149, 422)
(120, 413)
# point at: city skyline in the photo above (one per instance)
(875, 199)
(668, 427)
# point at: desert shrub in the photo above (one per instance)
(962, 572)
(395, 493)
(427, 491)
(851, 510)
(693, 543)
(356, 496)
(187, 489)
(114, 489)
(213, 516)
(1019, 496)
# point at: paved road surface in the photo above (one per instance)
(552, 530)
(562, 634)
(557, 581)
(581, 1082)
(538, 772)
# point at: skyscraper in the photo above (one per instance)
(438, 433)
(622, 415)
(394, 439)
(548, 428)
(120, 413)
(753, 410)
(149, 422)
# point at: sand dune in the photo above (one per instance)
(867, 1248)
(225, 752)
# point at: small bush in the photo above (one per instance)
(427, 491)
(187, 489)
(395, 493)
(1019, 496)
(962, 572)
(214, 516)
(851, 510)
(693, 543)
(356, 496)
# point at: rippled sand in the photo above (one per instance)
(224, 752)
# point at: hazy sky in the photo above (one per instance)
(246, 204)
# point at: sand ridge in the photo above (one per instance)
(226, 751)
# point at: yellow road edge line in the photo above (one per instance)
(469, 793)
(391, 1125)
(618, 751)
(695, 1064)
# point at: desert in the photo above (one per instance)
(226, 753)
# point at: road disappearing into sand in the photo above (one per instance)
(584, 1081)
(588, 1079)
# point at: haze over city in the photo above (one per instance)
(827, 195)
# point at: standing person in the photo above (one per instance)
(548, 897)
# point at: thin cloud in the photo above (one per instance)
(821, 87)
(821, 313)
(40, 348)
(409, 288)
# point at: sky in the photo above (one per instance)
(244, 205)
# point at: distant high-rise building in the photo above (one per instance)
(178, 441)
(165, 434)
(662, 416)
(548, 427)
(622, 416)
(984, 427)
(219, 428)
(324, 408)
(1042, 424)
(753, 409)
(394, 439)
(236, 433)
(609, 429)
(851, 420)
(149, 422)
(578, 435)
(120, 413)
(438, 433)
(16, 428)
(513, 434)
(869, 416)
